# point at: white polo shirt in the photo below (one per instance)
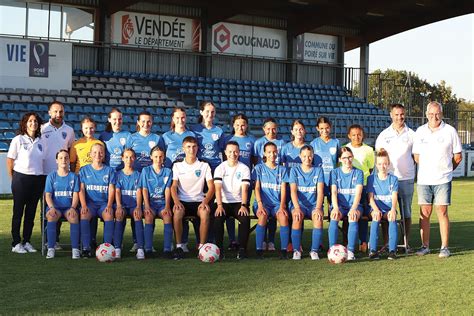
(28, 154)
(232, 179)
(399, 147)
(436, 150)
(191, 179)
(55, 139)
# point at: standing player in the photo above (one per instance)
(270, 198)
(79, 154)
(232, 179)
(155, 183)
(307, 195)
(128, 198)
(270, 128)
(62, 199)
(346, 190)
(96, 195)
(382, 189)
(187, 190)
(290, 153)
(114, 139)
(364, 160)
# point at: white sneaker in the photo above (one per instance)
(57, 246)
(271, 246)
(314, 255)
(134, 248)
(444, 252)
(296, 255)
(350, 256)
(118, 253)
(185, 247)
(51, 253)
(19, 249)
(76, 253)
(28, 247)
(264, 245)
(140, 254)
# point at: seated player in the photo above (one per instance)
(231, 180)
(61, 195)
(382, 189)
(270, 198)
(307, 195)
(155, 183)
(187, 190)
(346, 190)
(96, 195)
(128, 199)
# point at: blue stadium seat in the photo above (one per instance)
(3, 146)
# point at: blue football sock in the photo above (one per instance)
(93, 223)
(363, 229)
(118, 234)
(259, 235)
(51, 233)
(85, 234)
(374, 235)
(284, 236)
(185, 234)
(148, 237)
(352, 235)
(139, 233)
(108, 231)
(134, 233)
(168, 236)
(75, 235)
(316, 240)
(230, 225)
(296, 238)
(332, 233)
(272, 227)
(392, 236)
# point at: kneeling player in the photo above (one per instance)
(97, 196)
(382, 189)
(155, 183)
(307, 195)
(232, 180)
(61, 194)
(187, 190)
(346, 190)
(270, 198)
(128, 199)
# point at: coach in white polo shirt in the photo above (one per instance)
(437, 150)
(397, 140)
(56, 134)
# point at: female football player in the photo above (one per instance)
(114, 139)
(79, 152)
(290, 153)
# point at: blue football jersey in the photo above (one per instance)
(156, 184)
(382, 190)
(174, 146)
(346, 186)
(307, 183)
(142, 146)
(246, 148)
(114, 144)
(128, 185)
(62, 188)
(260, 143)
(325, 155)
(211, 144)
(290, 155)
(271, 181)
(97, 183)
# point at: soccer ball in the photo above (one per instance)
(209, 253)
(337, 254)
(105, 253)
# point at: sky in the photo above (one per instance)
(437, 51)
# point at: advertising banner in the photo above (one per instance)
(316, 48)
(159, 31)
(229, 38)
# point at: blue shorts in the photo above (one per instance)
(271, 210)
(157, 208)
(405, 196)
(345, 211)
(434, 194)
(306, 211)
(62, 210)
(96, 210)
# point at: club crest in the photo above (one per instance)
(151, 144)
(215, 137)
(238, 175)
(105, 178)
(197, 173)
(165, 179)
(122, 141)
(332, 150)
(64, 135)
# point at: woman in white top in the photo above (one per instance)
(25, 167)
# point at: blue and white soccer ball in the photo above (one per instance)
(337, 254)
(209, 253)
(105, 253)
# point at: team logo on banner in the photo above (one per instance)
(222, 38)
(64, 135)
(127, 29)
(197, 173)
(39, 59)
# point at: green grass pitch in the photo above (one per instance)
(410, 285)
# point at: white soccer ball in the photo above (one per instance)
(337, 254)
(105, 253)
(209, 253)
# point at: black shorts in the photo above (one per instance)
(191, 208)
